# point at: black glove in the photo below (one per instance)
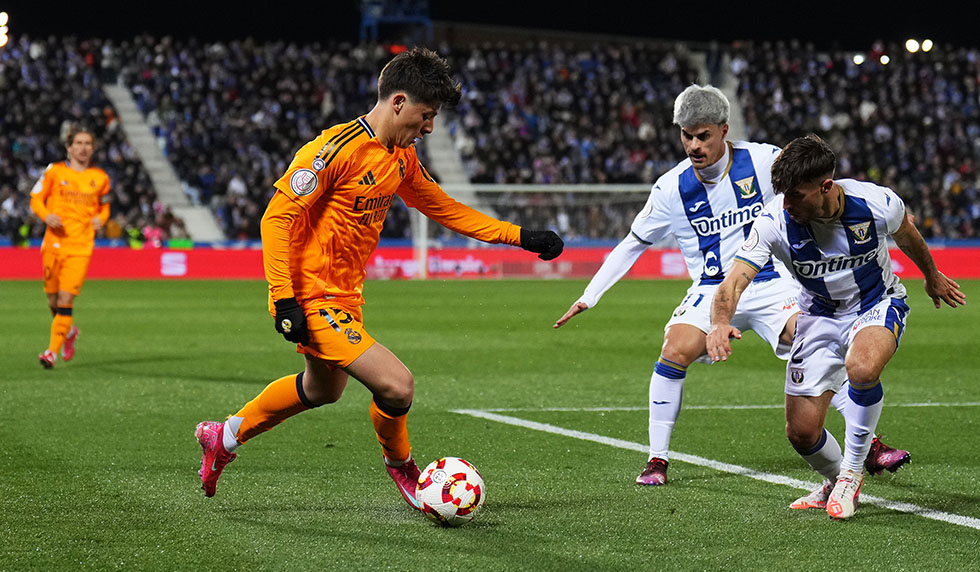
(546, 243)
(291, 321)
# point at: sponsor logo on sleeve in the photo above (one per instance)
(303, 182)
(752, 241)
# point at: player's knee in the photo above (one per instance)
(398, 390)
(329, 395)
(802, 437)
(862, 373)
(680, 354)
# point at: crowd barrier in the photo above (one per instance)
(400, 263)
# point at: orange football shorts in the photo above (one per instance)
(337, 333)
(63, 271)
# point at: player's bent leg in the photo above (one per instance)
(683, 343)
(385, 375)
(869, 353)
(870, 350)
(280, 400)
(393, 387)
(322, 382)
(881, 457)
(805, 417)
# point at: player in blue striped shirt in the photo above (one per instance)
(832, 235)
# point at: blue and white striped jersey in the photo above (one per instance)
(711, 219)
(843, 264)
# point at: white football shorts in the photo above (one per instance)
(816, 363)
(763, 308)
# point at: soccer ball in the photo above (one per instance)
(451, 491)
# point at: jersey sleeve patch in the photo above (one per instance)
(752, 241)
(303, 182)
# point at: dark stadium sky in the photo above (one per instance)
(851, 25)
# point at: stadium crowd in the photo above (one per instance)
(230, 115)
(912, 125)
(551, 114)
(45, 85)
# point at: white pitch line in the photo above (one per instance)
(700, 407)
(924, 512)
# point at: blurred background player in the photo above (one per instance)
(318, 232)
(708, 203)
(833, 235)
(72, 198)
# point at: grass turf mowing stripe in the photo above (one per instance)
(719, 466)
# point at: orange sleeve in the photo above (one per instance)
(105, 199)
(276, 224)
(423, 193)
(104, 213)
(40, 192)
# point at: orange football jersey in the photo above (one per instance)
(76, 197)
(325, 220)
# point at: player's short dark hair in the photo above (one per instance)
(804, 160)
(422, 74)
(74, 129)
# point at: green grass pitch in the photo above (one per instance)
(98, 464)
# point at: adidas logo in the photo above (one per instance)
(368, 179)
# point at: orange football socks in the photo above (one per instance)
(391, 425)
(279, 401)
(60, 326)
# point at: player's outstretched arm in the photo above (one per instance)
(614, 267)
(937, 285)
(723, 308)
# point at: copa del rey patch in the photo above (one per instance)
(303, 182)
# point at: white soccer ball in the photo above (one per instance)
(451, 491)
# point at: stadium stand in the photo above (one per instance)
(45, 84)
(229, 115)
(912, 124)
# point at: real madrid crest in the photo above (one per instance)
(353, 336)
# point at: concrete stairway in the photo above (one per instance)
(199, 220)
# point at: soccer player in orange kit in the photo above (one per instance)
(319, 230)
(72, 198)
